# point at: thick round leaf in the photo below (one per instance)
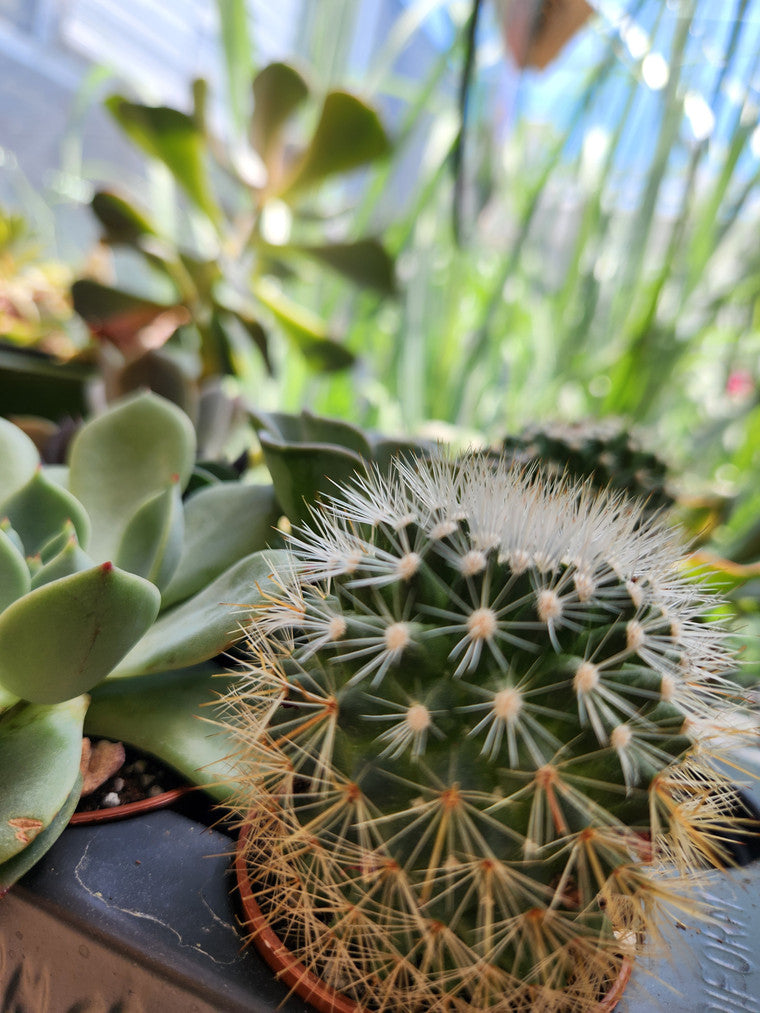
(163, 714)
(71, 559)
(18, 459)
(12, 870)
(301, 472)
(365, 262)
(57, 542)
(309, 428)
(206, 624)
(278, 90)
(223, 523)
(385, 449)
(349, 134)
(120, 459)
(306, 331)
(39, 511)
(117, 315)
(122, 222)
(40, 748)
(14, 573)
(175, 139)
(61, 639)
(152, 541)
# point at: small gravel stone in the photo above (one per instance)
(139, 766)
(118, 783)
(146, 779)
(155, 790)
(111, 799)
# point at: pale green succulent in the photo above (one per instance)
(114, 593)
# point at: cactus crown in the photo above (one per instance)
(469, 699)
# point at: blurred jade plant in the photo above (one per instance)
(112, 606)
(252, 227)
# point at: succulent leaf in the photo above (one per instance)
(39, 510)
(14, 573)
(302, 472)
(18, 459)
(349, 134)
(64, 637)
(12, 870)
(278, 91)
(169, 715)
(121, 458)
(206, 624)
(71, 559)
(152, 540)
(40, 748)
(223, 523)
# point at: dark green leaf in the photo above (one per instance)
(309, 428)
(306, 331)
(173, 138)
(349, 134)
(122, 222)
(302, 472)
(278, 90)
(365, 262)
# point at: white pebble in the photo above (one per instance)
(111, 799)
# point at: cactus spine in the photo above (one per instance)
(473, 694)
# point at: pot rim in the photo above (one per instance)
(123, 812)
(308, 985)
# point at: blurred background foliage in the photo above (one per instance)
(453, 213)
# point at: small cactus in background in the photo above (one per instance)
(604, 451)
(470, 703)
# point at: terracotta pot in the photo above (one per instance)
(305, 983)
(123, 812)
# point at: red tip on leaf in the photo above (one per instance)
(107, 567)
(175, 477)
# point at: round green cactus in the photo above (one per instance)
(470, 710)
(604, 451)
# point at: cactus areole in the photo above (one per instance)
(474, 692)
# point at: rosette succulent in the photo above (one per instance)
(468, 738)
(111, 608)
